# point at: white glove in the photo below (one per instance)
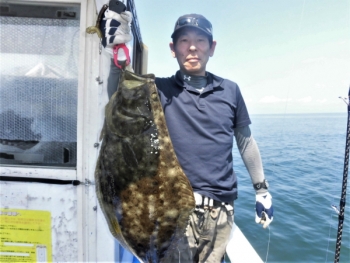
(117, 31)
(264, 209)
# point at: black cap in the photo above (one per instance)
(195, 21)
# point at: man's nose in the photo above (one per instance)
(192, 47)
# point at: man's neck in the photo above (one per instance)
(197, 82)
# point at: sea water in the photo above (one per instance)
(303, 158)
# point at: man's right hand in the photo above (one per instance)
(263, 209)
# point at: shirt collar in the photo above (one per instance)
(213, 81)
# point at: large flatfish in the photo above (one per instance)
(144, 194)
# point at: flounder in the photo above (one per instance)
(144, 194)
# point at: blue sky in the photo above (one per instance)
(286, 56)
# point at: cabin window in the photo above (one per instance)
(38, 84)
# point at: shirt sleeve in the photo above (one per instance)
(241, 116)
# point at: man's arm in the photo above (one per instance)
(251, 157)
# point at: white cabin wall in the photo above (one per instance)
(60, 201)
(77, 222)
(99, 243)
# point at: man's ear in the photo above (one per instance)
(172, 48)
(212, 48)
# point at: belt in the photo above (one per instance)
(218, 203)
(204, 201)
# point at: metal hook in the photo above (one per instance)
(335, 209)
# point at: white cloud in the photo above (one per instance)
(273, 99)
(305, 99)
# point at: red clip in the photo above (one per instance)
(115, 54)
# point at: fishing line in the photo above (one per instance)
(291, 73)
(342, 201)
(268, 244)
(334, 207)
(284, 116)
(347, 101)
(294, 63)
(329, 232)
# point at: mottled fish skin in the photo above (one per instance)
(144, 194)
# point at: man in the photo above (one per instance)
(204, 113)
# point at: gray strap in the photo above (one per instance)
(113, 79)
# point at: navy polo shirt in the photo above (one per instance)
(201, 129)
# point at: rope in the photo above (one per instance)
(343, 193)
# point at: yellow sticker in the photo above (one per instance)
(25, 236)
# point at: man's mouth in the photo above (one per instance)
(192, 59)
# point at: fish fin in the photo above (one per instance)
(104, 128)
(129, 154)
(115, 227)
(117, 233)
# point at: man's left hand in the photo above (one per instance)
(264, 209)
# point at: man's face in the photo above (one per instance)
(192, 51)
